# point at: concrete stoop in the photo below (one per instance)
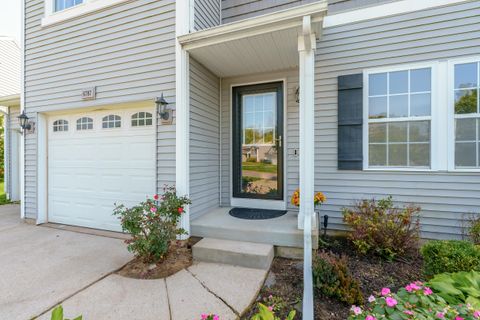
(237, 253)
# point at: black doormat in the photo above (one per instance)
(256, 214)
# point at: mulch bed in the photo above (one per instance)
(179, 258)
(286, 280)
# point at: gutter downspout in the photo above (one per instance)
(22, 108)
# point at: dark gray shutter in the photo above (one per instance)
(350, 122)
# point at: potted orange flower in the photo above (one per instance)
(318, 198)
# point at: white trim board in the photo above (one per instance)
(384, 10)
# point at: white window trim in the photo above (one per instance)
(51, 17)
(451, 112)
(108, 121)
(437, 149)
(151, 117)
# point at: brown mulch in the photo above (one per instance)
(178, 258)
(373, 274)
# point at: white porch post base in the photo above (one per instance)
(182, 106)
(306, 48)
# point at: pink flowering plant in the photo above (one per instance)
(414, 301)
(210, 317)
(153, 224)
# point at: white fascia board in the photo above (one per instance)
(384, 10)
(11, 100)
(285, 19)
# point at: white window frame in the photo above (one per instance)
(89, 121)
(88, 6)
(451, 111)
(437, 108)
(148, 116)
(106, 120)
(56, 125)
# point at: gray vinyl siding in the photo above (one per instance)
(234, 10)
(335, 6)
(430, 35)
(207, 13)
(291, 136)
(127, 51)
(204, 140)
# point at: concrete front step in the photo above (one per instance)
(244, 254)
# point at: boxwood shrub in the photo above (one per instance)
(450, 256)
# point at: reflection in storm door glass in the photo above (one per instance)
(259, 148)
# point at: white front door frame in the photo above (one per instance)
(260, 203)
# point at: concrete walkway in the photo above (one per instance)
(43, 267)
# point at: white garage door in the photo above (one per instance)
(97, 159)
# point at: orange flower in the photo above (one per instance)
(318, 198)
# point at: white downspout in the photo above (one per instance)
(22, 107)
(306, 47)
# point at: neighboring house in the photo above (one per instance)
(367, 99)
(10, 66)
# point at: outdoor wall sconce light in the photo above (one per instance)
(166, 115)
(24, 123)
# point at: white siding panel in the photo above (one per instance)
(440, 33)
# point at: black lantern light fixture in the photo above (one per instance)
(162, 108)
(24, 123)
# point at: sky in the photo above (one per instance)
(10, 18)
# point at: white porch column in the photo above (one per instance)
(306, 48)
(183, 21)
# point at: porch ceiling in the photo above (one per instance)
(261, 44)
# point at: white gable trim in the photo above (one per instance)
(384, 10)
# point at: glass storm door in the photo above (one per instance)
(257, 141)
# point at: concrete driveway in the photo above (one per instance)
(41, 267)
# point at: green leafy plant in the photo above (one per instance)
(57, 314)
(333, 279)
(415, 301)
(380, 228)
(267, 313)
(457, 288)
(153, 224)
(441, 256)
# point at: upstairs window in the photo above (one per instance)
(60, 125)
(65, 4)
(141, 119)
(85, 123)
(467, 114)
(111, 121)
(399, 118)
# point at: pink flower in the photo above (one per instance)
(180, 210)
(459, 318)
(270, 308)
(440, 315)
(412, 286)
(385, 291)
(153, 209)
(215, 317)
(155, 197)
(427, 291)
(371, 299)
(476, 314)
(370, 318)
(391, 302)
(408, 312)
(204, 316)
(356, 310)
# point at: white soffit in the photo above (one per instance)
(261, 44)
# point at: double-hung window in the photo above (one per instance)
(399, 118)
(466, 105)
(65, 4)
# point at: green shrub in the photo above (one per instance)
(382, 229)
(332, 278)
(441, 256)
(474, 229)
(153, 224)
(267, 313)
(415, 301)
(57, 314)
(457, 288)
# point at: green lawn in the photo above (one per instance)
(259, 167)
(3, 196)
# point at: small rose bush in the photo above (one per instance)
(210, 317)
(415, 301)
(153, 224)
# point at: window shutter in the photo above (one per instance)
(350, 122)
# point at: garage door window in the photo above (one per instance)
(60, 126)
(85, 123)
(111, 121)
(141, 119)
